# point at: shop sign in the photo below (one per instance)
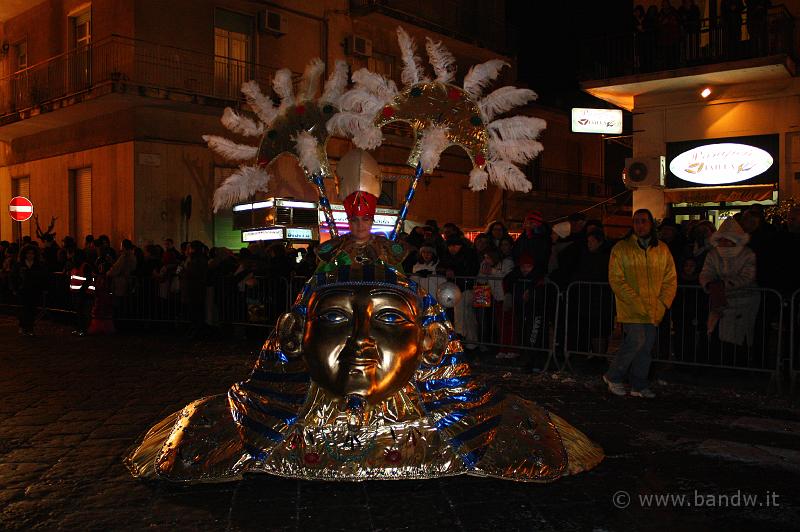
(720, 164)
(297, 233)
(257, 235)
(608, 121)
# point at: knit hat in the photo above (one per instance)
(535, 217)
(429, 249)
(526, 260)
(730, 230)
(562, 229)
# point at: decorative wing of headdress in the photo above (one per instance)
(296, 126)
(443, 114)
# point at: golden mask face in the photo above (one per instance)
(363, 340)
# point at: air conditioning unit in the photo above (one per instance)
(644, 172)
(357, 45)
(274, 22)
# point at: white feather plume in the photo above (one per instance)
(307, 151)
(229, 149)
(282, 85)
(434, 141)
(478, 179)
(239, 186)
(517, 127)
(442, 61)
(361, 101)
(383, 88)
(506, 175)
(262, 106)
(309, 83)
(368, 138)
(412, 72)
(518, 151)
(480, 76)
(336, 84)
(241, 124)
(504, 99)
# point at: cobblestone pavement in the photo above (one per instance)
(70, 409)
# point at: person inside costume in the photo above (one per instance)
(358, 175)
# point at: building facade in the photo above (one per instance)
(729, 79)
(103, 104)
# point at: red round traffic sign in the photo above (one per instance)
(20, 208)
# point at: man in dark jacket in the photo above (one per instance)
(459, 262)
(28, 280)
(534, 241)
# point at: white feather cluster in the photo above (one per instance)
(229, 149)
(359, 106)
(308, 151)
(336, 84)
(262, 106)
(241, 124)
(412, 72)
(240, 185)
(442, 61)
(434, 141)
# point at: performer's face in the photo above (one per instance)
(362, 340)
(360, 227)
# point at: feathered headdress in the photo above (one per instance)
(296, 126)
(443, 114)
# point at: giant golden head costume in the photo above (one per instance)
(363, 379)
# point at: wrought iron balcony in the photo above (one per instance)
(709, 41)
(471, 21)
(119, 63)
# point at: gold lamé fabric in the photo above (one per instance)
(444, 421)
(436, 104)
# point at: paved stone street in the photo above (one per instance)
(70, 409)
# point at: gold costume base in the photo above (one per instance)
(218, 438)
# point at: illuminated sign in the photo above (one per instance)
(723, 162)
(720, 164)
(257, 235)
(297, 233)
(596, 121)
(383, 221)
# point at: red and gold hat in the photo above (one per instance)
(359, 183)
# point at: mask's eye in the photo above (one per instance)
(391, 316)
(334, 316)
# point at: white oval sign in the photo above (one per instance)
(720, 164)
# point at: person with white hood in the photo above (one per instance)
(729, 277)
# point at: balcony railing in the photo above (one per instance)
(568, 184)
(709, 41)
(470, 21)
(131, 62)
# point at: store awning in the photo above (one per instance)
(718, 194)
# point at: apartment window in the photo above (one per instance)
(80, 203)
(80, 33)
(233, 43)
(21, 186)
(20, 56)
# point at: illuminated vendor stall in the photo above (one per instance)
(277, 219)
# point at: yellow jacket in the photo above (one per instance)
(643, 281)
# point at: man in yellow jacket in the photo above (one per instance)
(642, 275)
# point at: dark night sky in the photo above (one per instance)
(549, 36)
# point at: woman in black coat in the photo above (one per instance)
(28, 281)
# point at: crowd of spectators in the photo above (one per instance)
(509, 283)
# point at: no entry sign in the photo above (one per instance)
(20, 208)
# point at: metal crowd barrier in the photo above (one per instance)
(794, 340)
(683, 336)
(524, 329)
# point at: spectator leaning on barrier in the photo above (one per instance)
(642, 276)
(534, 241)
(729, 276)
